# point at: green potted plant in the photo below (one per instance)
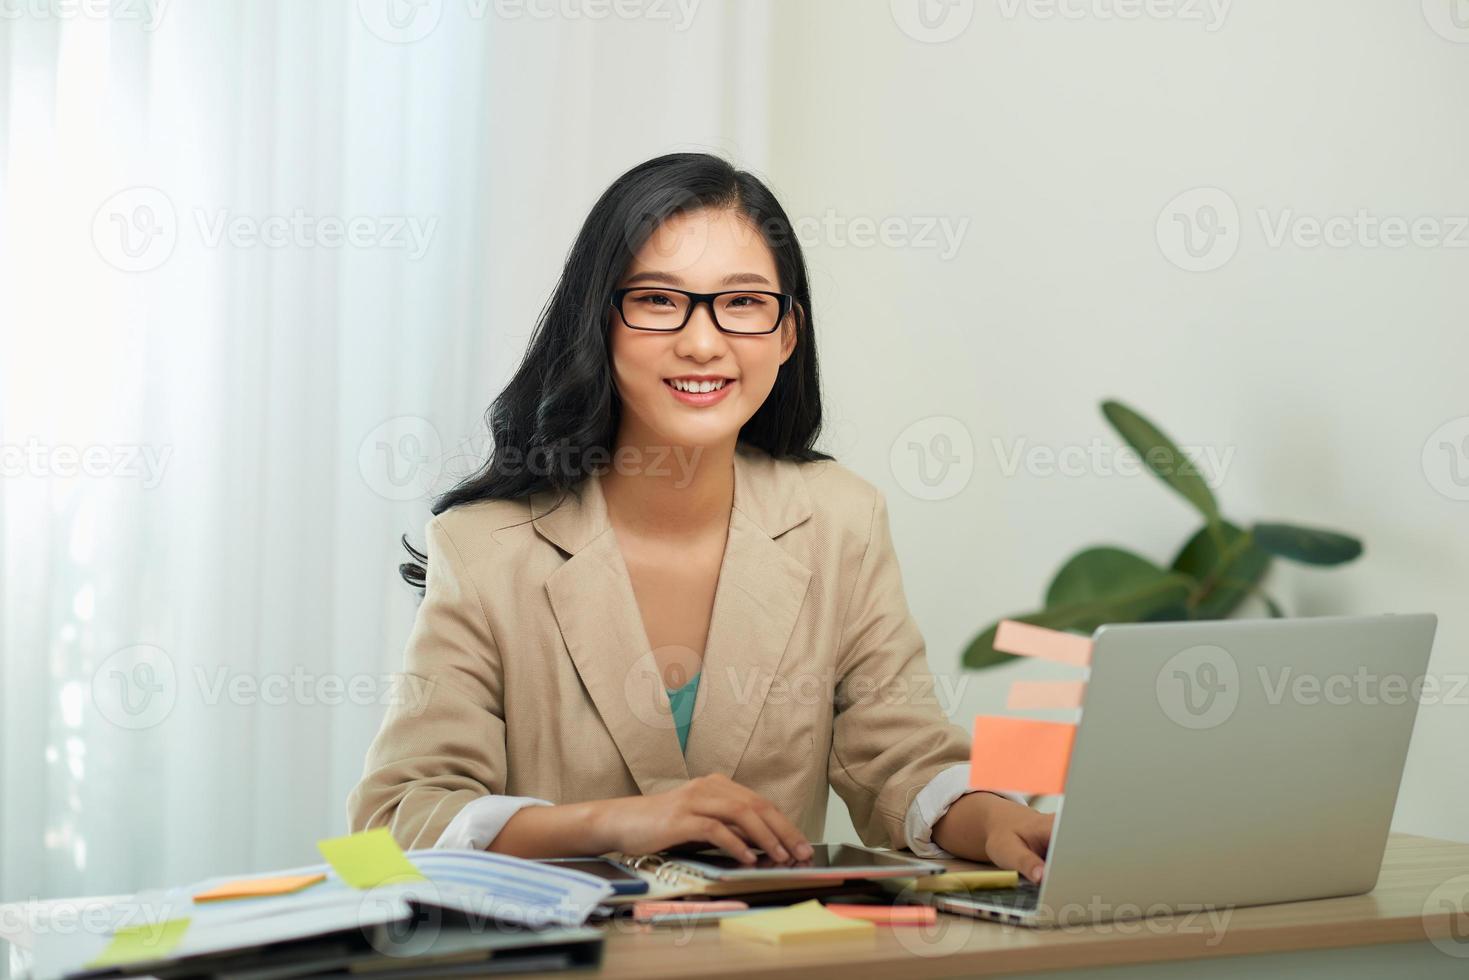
(1214, 571)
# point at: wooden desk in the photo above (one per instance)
(1410, 906)
(1405, 928)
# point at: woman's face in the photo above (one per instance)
(706, 251)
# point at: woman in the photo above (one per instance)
(657, 616)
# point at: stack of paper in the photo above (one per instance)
(370, 901)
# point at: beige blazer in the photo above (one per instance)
(528, 672)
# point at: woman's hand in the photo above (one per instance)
(987, 827)
(713, 809)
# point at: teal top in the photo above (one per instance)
(682, 702)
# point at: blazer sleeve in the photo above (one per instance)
(890, 735)
(442, 742)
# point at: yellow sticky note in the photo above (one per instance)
(258, 887)
(960, 881)
(369, 859)
(141, 944)
(807, 922)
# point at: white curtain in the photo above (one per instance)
(262, 266)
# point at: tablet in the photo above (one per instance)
(827, 862)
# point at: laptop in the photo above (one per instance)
(1226, 763)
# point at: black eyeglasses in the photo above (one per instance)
(737, 311)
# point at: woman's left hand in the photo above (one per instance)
(988, 827)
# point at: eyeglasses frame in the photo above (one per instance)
(786, 300)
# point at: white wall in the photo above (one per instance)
(1059, 141)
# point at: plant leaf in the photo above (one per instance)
(1160, 455)
(1304, 544)
(1096, 573)
(1201, 558)
(1163, 597)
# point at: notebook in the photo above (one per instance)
(834, 867)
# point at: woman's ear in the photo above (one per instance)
(790, 331)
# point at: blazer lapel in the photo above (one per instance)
(592, 598)
(757, 600)
(756, 603)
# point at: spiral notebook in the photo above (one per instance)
(835, 867)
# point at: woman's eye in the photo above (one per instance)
(655, 299)
(747, 301)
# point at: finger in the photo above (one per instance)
(716, 833)
(1008, 850)
(790, 835)
(747, 821)
(1037, 834)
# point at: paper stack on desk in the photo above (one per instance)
(372, 906)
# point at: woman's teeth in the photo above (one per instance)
(696, 387)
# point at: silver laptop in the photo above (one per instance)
(1227, 763)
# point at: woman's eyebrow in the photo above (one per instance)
(733, 279)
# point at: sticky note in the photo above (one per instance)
(966, 881)
(806, 922)
(368, 859)
(1020, 755)
(1026, 640)
(1030, 695)
(888, 915)
(141, 944)
(259, 887)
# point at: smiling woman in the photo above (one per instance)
(603, 641)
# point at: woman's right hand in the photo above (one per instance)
(711, 809)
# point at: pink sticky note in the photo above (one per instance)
(1030, 695)
(1020, 755)
(1026, 640)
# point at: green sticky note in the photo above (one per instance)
(368, 859)
(140, 944)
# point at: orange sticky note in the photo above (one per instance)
(1026, 640)
(259, 887)
(1029, 695)
(888, 915)
(1020, 755)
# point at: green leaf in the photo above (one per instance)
(1271, 605)
(1242, 562)
(1161, 456)
(1164, 596)
(1097, 573)
(1310, 545)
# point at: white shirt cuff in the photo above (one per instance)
(476, 826)
(933, 801)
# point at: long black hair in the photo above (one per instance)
(561, 408)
